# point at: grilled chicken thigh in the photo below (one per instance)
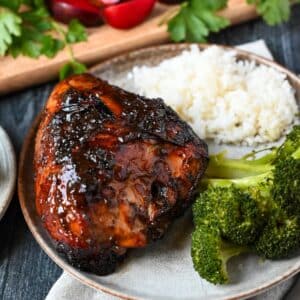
(113, 170)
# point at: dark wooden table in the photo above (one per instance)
(26, 272)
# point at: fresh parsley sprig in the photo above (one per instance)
(196, 19)
(274, 12)
(27, 28)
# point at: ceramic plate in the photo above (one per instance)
(7, 171)
(164, 269)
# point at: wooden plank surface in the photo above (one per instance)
(103, 42)
(26, 273)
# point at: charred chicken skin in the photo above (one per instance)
(113, 170)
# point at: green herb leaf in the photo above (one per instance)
(196, 19)
(33, 43)
(38, 18)
(34, 3)
(177, 28)
(273, 11)
(10, 26)
(30, 32)
(13, 5)
(35, 39)
(196, 28)
(76, 32)
(210, 5)
(51, 46)
(202, 9)
(213, 22)
(73, 67)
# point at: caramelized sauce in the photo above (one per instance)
(112, 170)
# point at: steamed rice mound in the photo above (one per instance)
(223, 99)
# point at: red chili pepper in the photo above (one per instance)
(127, 14)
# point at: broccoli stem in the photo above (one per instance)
(221, 167)
(229, 250)
(244, 182)
(210, 253)
(253, 154)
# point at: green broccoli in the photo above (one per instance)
(222, 167)
(290, 146)
(251, 202)
(210, 254)
(277, 176)
(280, 237)
(232, 211)
(286, 187)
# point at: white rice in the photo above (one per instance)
(223, 99)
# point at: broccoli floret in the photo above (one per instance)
(290, 145)
(204, 209)
(286, 187)
(233, 211)
(210, 254)
(280, 237)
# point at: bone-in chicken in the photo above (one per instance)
(113, 170)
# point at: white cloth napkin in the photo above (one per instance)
(68, 288)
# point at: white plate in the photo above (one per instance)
(7, 171)
(164, 269)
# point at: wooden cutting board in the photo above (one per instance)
(103, 42)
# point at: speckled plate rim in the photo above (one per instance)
(10, 166)
(45, 243)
